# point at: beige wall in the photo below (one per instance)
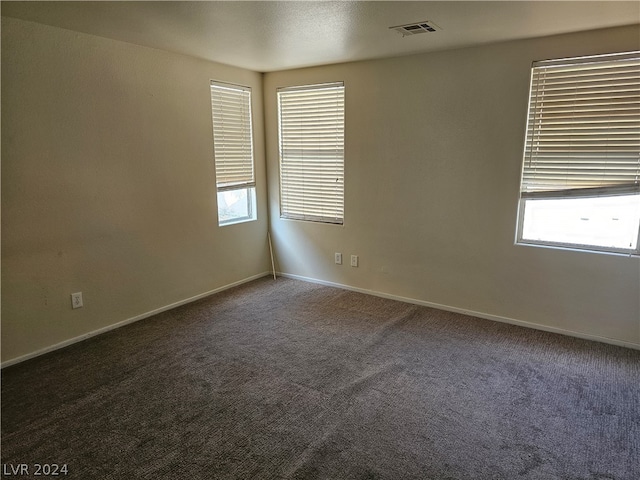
(108, 184)
(108, 188)
(433, 155)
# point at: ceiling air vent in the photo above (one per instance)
(415, 28)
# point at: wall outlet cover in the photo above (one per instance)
(76, 300)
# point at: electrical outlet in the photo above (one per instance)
(76, 300)
(354, 260)
(338, 258)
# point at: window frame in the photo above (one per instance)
(318, 209)
(606, 189)
(237, 173)
(251, 206)
(567, 245)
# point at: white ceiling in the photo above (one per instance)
(276, 35)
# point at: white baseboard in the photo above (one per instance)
(448, 308)
(472, 313)
(127, 321)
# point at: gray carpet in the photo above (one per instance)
(291, 380)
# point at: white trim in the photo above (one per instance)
(486, 316)
(122, 323)
(448, 308)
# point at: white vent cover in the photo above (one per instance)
(414, 28)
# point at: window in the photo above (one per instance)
(233, 152)
(312, 152)
(581, 169)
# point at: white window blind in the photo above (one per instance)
(312, 152)
(232, 135)
(583, 136)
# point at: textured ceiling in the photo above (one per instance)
(267, 36)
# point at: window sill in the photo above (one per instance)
(578, 248)
(236, 221)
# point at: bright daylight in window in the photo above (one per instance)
(233, 152)
(581, 169)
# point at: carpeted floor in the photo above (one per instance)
(291, 380)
